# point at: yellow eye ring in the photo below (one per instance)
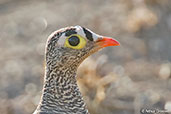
(75, 41)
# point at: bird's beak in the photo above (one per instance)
(106, 41)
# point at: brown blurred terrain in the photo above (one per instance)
(116, 80)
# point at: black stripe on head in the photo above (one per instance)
(70, 31)
(88, 34)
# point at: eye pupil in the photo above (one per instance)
(74, 40)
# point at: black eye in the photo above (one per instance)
(74, 40)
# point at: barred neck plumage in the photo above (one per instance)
(61, 94)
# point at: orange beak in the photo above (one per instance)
(105, 42)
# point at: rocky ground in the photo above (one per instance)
(116, 80)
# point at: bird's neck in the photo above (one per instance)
(60, 92)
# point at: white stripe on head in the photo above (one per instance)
(61, 40)
(94, 35)
(80, 31)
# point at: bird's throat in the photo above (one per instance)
(60, 92)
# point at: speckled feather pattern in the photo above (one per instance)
(60, 93)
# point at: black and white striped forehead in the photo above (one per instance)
(84, 32)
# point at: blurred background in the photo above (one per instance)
(116, 80)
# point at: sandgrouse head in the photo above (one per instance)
(71, 45)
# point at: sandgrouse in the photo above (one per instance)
(65, 50)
